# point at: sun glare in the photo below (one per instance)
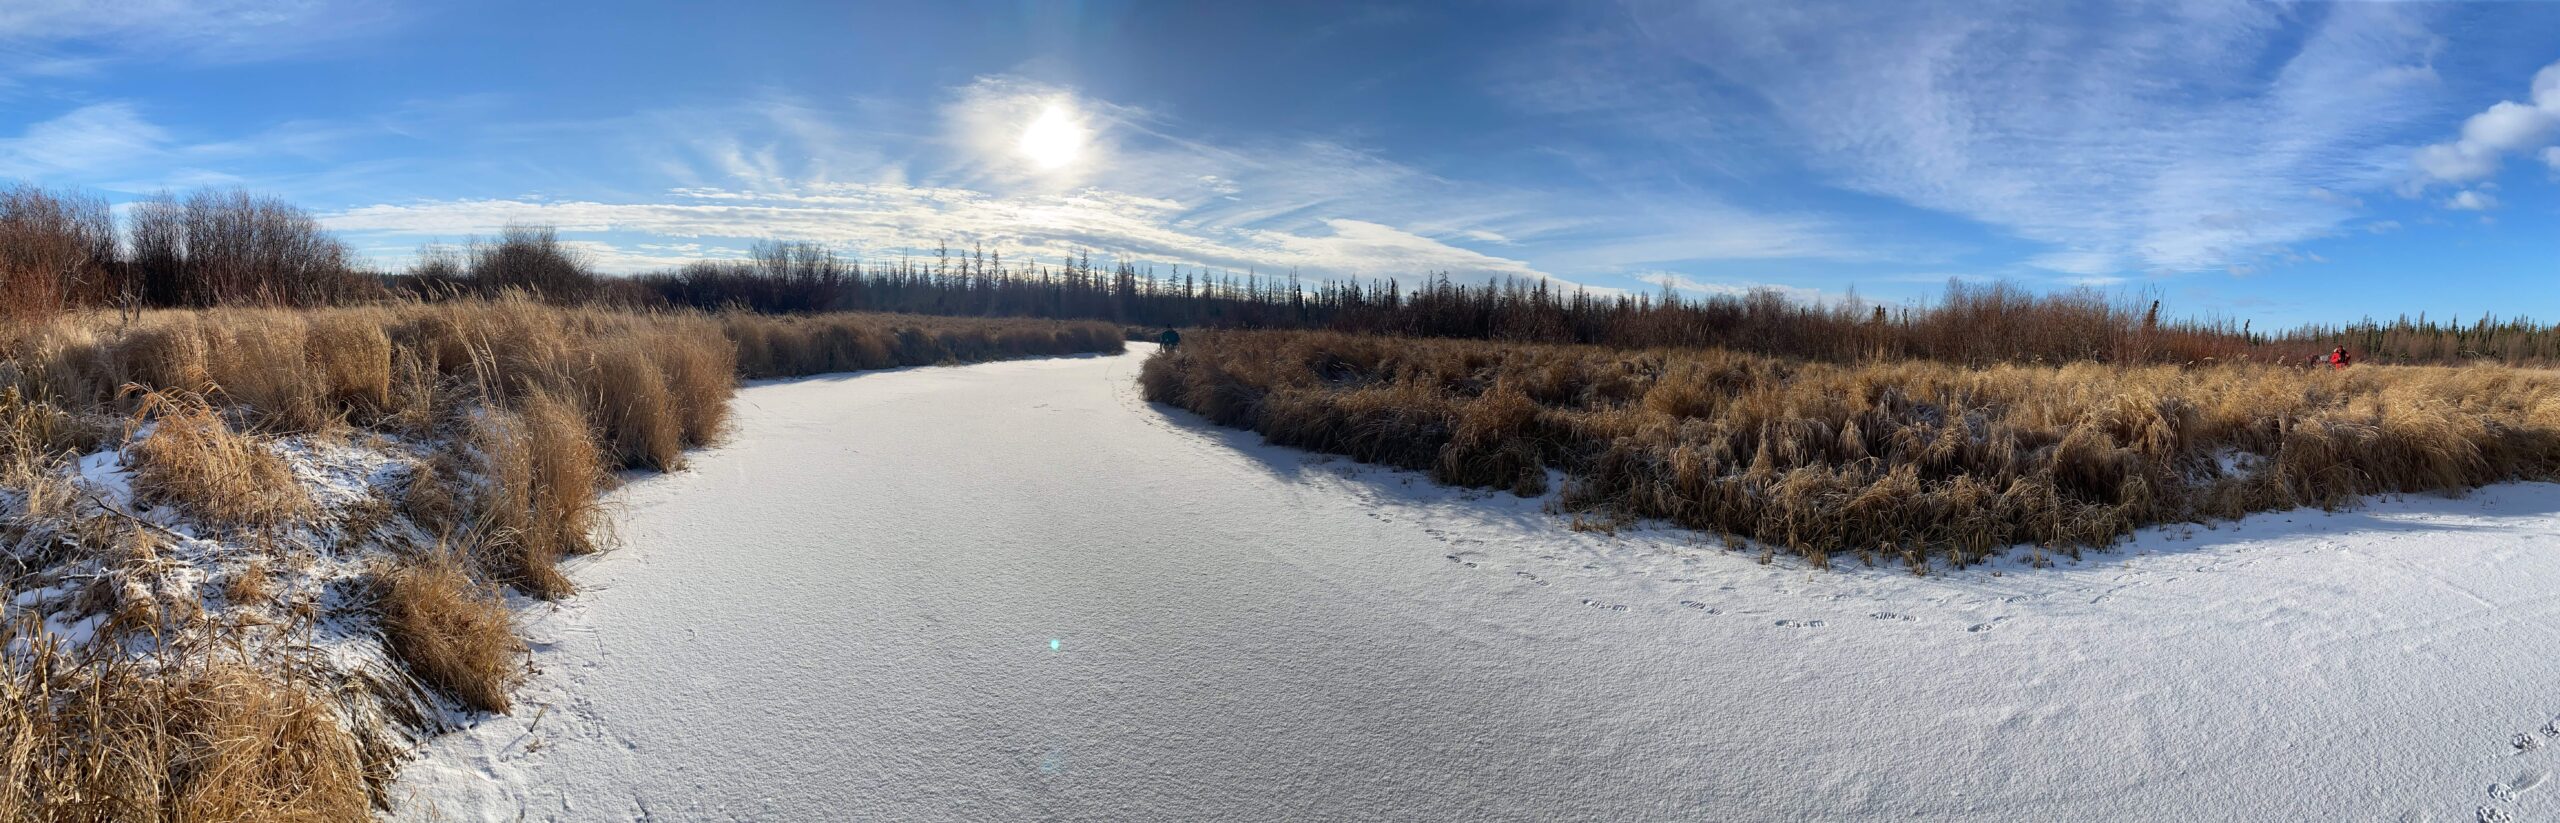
(1053, 140)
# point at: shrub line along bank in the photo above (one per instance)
(1912, 462)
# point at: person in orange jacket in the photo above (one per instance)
(2339, 359)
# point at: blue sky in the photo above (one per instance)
(2282, 163)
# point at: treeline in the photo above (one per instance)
(66, 250)
(1998, 322)
(1968, 323)
(60, 250)
(63, 250)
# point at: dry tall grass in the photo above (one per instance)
(1899, 462)
(456, 633)
(194, 460)
(787, 345)
(219, 739)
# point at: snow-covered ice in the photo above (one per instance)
(1017, 591)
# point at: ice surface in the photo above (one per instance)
(1016, 591)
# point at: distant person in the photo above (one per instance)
(1169, 338)
(2338, 358)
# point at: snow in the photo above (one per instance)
(1017, 591)
(310, 563)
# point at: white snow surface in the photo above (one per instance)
(1017, 591)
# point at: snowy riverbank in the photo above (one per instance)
(1016, 591)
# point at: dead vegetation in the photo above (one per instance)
(215, 739)
(1908, 462)
(782, 346)
(453, 631)
(157, 657)
(193, 459)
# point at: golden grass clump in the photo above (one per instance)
(699, 379)
(217, 740)
(454, 633)
(1899, 461)
(352, 354)
(261, 359)
(538, 472)
(249, 583)
(194, 460)
(630, 398)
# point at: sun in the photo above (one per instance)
(1053, 140)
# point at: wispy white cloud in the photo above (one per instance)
(881, 220)
(51, 42)
(2160, 136)
(1719, 288)
(203, 29)
(94, 138)
(1141, 187)
(2471, 200)
(2506, 127)
(2084, 263)
(117, 146)
(633, 257)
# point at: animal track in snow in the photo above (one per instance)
(1701, 607)
(1453, 558)
(1889, 616)
(1979, 628)
(1615, 607)
(1800, 624)
(2493, 814)
(2525, 742)
(2516, 786)
(1532, 578)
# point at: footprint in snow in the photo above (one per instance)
(2525, 742)
(1800, 624)
(2516, 786)
(1460, 560)
(1532, 578)
(1701, 607)
(1979, 628)
(1615, 607)
(1889, 616)
(2493, 814)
